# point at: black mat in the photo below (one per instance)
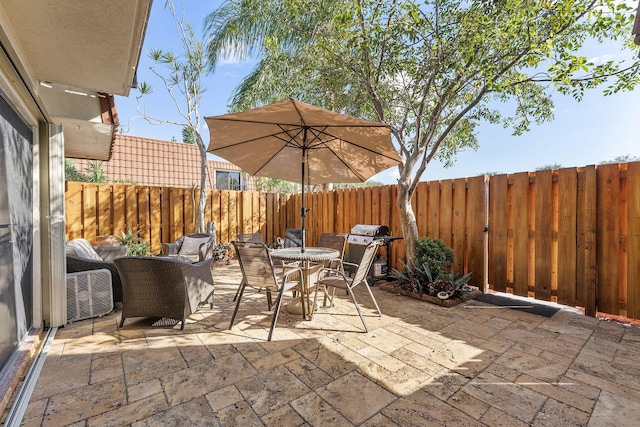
(518, 304)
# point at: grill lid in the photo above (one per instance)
(370, 230)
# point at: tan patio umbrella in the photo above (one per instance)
(331, 147)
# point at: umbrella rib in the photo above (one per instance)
(346, 141)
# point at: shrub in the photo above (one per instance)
(437, 256)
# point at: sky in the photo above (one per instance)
(597, 129)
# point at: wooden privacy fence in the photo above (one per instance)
(571, 236)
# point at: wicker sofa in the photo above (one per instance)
(164, 287)
(83, 256)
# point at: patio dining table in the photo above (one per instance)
(308, 257)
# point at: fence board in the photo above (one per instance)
(587, 222)
(520, 198)
(165, 216)
(104, 210)
(433, 225)
(119, 209)
(633, 240)
(446, 203)
(155, 207)
(422, 208)
(89, 212)
(475, 239)
(498, 232)
(144, 215)
(543, 233)
(608, 229)
(459, 224)
(73, 210)
(567, 238)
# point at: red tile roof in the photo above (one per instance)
(146, 161)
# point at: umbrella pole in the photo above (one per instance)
(303, 211)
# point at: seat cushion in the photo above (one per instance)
(83, 249)
(191, 245)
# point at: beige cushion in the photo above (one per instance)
(83, 249)
(191, 245)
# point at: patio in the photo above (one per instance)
(473, 364)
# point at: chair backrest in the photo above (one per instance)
(256, 265)
(366, 261)
(333, 241)
(292, 238)
(250, 237)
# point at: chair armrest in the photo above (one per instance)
(290, 284)
(171, 248)
(109, 253)
(75, 264)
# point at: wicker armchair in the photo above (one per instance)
(82, 256)
(164, 287)
(204, 244)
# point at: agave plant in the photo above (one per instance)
(136, 246)
(419, 279)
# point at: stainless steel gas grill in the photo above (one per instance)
(360, 236)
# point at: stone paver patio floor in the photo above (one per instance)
(420, 364)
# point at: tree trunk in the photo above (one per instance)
(407, 218)
(203, 182)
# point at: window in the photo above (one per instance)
(229, 180)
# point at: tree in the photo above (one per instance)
(181, 76)
(432, 70)
(274, 185)
(621, 159)
(549, 166)
(188, 137)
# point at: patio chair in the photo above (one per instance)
(253, 238)
(197, 247)
(337, 242)
(292, 238)
(258, 272)
(83, 256)
(338, 279)
(164, 287)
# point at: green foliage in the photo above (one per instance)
(621, 159)
(549, 166)
(71, 172)
(340, 185)
(221, 251)
(437, 257)
(273, 185)
(188, 135)
(136, 245)
(94, 172)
